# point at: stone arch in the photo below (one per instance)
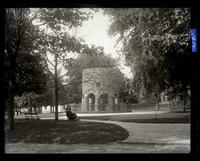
(103, 101)
(98, 81)
(116, 98)
(90, 106)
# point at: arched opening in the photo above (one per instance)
(103, 101)
(115, 98)
(91, 102)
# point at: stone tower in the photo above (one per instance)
(98, 89)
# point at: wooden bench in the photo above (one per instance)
(31, 116)
(72, 116)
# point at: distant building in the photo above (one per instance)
(49, 109)
(61, 108)
(175, 102)
(99, 90)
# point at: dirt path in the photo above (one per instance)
(143, 138)
(154, 133)
(94, 148)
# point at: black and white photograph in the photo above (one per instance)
(97, 80)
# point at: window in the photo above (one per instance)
(165, 97)
(98, 84)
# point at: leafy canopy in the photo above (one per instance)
(152, 39)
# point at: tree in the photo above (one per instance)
(27, 99)
(31, 75)
(19, 33)
(30, 80)
(47, 97)
(148, 35)
(126, 93)
(57, 41)
(22, 35)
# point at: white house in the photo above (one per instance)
(49, 109)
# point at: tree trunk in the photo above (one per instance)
(157, 105)
(35, 109)
(171, 104)
(50, 108)
(184, 102)
(11, 105)
(29, 107)
(157, 101)
(20, 111)
(56, 103)
(56, 89)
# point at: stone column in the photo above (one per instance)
(84, 104)
(115, 104)
(162, 97)
(83, 108)
(110, 102)
(96, 103)
(90, 104)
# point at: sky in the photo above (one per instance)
(94, 32)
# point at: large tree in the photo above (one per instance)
(55, 39)
(31, 75)
(152, 40)
(23, 35)
(31, 79)
(19, 35)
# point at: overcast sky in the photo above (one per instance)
(94, 32)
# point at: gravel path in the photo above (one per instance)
(94, 148)
(143, 138)
(154, 133)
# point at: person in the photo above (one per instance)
(70, 115)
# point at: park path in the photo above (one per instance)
(143, 138)
(148, 133)
(160, 134)
(114, 148)
(136, 112)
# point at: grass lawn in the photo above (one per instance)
(146, 118)
(64, 132)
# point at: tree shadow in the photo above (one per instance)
(65, 132)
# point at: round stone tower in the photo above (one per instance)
(98, 89)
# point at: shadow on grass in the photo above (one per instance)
(64, 132)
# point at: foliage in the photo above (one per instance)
(19, 35)
(22, 101)
(152, 39)
(55, 39)
(30, 74)
(126, 94)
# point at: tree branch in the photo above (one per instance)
(63, 76)
(35, 14)
(47, 59)
(47, 67)
(50, 73)
(68, 84)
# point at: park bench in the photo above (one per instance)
(72, 116)
(31, 116)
